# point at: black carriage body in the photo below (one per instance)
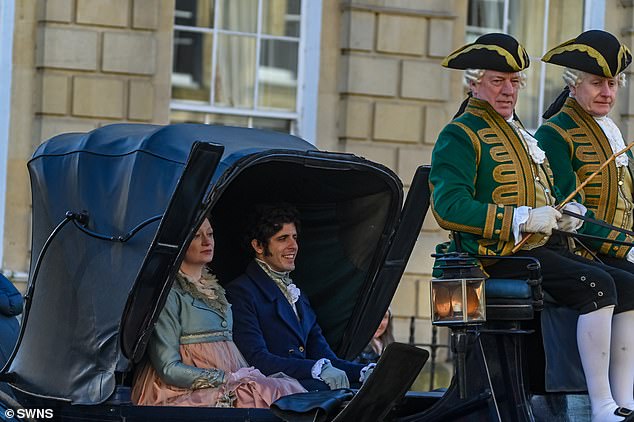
(94, 302)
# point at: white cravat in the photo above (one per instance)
(537, 154)
(615, 138)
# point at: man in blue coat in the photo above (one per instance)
(275, 327)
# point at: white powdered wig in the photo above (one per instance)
(573, 77)
(475, 76)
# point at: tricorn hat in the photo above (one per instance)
(494, 51)
(596, 52)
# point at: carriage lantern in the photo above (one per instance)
(457, 296)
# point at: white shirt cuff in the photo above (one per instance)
(630, 255)
(364, 370)
(520, 216)
(316, 371)
(581, 209)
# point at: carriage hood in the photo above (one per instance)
(125, 199)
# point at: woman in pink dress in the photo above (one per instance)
(192, 358)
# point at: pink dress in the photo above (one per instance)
(248, 388)
(255, 390)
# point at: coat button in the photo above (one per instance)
(291, 351)
(500, 216)
(301, 349)
(496, 231)
(600, 294)
(223, 323)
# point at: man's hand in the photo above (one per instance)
(568, 223)
(335, 378)
(542, 220)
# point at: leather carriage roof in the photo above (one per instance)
(171, 142)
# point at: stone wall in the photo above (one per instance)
(393, 99)
(78, 65)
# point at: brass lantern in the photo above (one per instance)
(457, 296)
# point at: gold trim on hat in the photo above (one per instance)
(584, 49)
(510, 60)
(622, 56)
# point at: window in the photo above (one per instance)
(539, 25)
(242, 62)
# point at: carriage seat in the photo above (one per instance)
(510, 299)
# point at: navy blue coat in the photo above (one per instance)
(268, 333)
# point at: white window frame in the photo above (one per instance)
(304, 117)
(7, 18)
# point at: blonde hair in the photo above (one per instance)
(475, 76)
(573, 77)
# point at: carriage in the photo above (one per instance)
(113, 210)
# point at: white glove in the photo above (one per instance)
(243, 375)
(542, 220)
(568, 223)
(366, 372)
(334, 377)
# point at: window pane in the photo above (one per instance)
(526, 24)
(238, 15)
(277, 74)
(198, 13)
(484, 16)
(186, 116)
(281, 17)
(182, 116)
(235, 79)
(278, 125)
(191, 72)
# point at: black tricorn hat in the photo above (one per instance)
(494, 51)
(596, 52)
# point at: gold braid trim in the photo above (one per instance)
(210, 378)
(564, 135)
(510, 60)
(474, 140)
(453, 226)
(489, 224)
(585, 49)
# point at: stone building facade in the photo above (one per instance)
(382, 94)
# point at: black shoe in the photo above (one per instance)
(626, 413)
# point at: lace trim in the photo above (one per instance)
(210, 378)
(214, 295)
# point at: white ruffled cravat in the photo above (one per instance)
(615, 138)
(283, 280)
(537, 154)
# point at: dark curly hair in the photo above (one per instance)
(268, 219)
